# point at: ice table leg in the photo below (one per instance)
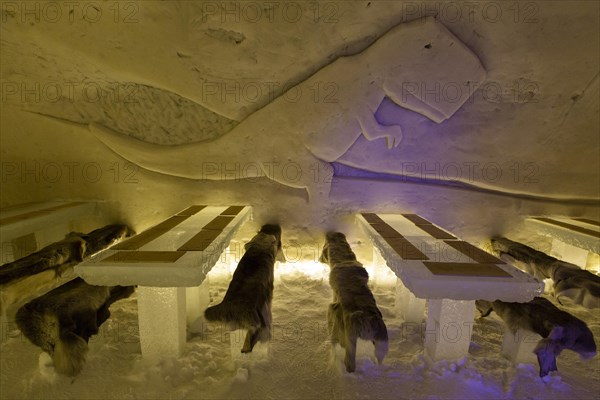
(518, 346)
(569, 253)
(378, 265)
(197, 299)
(7, 325)
(448, 329)
(593, 263)
(161, 317)
(382, 274)
(411, 308)
(232, 255)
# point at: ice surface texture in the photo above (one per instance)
(293, 142)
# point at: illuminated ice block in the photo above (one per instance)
(177, 252)
(380, 274)
(161, 318)
(433, 264)
(518, 346)
(8, 327)
(593, 263)
(197, 300)
(579, 232)
(29, 227)
(448, 329)
(169, 263)
(569, 253)
(409, 307)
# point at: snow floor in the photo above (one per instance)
(301, 364)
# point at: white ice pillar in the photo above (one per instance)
(378, 264)
(411, 308)
(569, 253)
(518, 346)
(232, 255)
(382, 274)
(448, 329)
(593, 263)
(161, 316)
(7, 325)
(197, 299)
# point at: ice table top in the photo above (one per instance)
(177, 252)
(580, 232)
(27, 218)
(434, 264)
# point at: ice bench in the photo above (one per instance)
(169, 262)
(29, 227)
(26, 228)
(574, 240)
(450, 274)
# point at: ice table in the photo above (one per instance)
(450, 274)
(29, 227)
(574, 240)
(169, 262)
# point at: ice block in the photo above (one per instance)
(29, 227)
(579, 232)
(411, 308)
(169, 262)
(449, 327)
(161, 319)
(518, 346)
(433, 264)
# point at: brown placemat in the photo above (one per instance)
(571, 227)
(200, 241)
(473, 252)
(587, 221)
(372, 218)
(386, 231)
(191, 210)
(466, 269)
(37, 213)
(150, 234)
(416, 219)
(435, 232)
(405, 249)
(218, 223)
(144, 257)
(233, 210)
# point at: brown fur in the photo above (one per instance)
(62, 321)
(559, 329)
(247, 303)
(64, 253)
(353, 313)
(569, 281)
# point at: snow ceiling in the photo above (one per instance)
(494, 97)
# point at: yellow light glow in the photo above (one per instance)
(548, 285)
(593, 263)
(381, 274)
(310, 269)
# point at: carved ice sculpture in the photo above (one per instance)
(293, 139)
